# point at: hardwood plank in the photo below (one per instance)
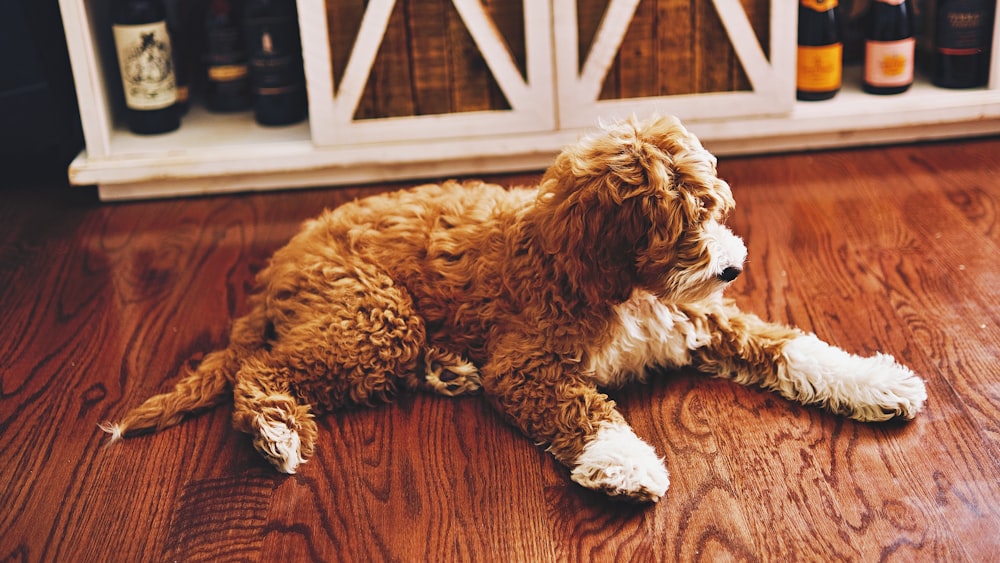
(388, 91)
(636, 58)
(890, 249)
(343, 20)
(473, 87)
(428, 47)
(676, 64)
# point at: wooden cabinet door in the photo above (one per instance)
(697, 59)
(406, 70)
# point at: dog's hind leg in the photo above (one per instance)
(448, 373)
(352, 338)
(803, 368)
(283, 430)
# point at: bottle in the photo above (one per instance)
(272, 34)
(889, 47)
(820, 51)
(227, 84)
(962, 38)
(180, 42)
(146, 63)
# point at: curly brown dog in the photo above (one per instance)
(612, 267)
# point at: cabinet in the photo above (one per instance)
(407, 89)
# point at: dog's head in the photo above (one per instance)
(640, 205)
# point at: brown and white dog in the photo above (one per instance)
(613, 266)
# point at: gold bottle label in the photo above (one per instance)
(146, 65)
(819, 68)
(227, 73)
(819, 5)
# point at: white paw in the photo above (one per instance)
(868, 389)
(619, 463)
(279, 444)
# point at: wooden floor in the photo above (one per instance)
(891, 249)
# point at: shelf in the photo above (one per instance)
(202, 132)
(923, 96)
(218, 153)
(854, 117)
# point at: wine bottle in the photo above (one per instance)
(962, 38)
(889, 47)
(227, 85)
(272, 34)
(146, 64)
(820, 51)
(179, 42)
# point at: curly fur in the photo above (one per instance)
(614, 264)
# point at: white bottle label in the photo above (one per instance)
(146, 67)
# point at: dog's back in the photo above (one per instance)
(448, 246)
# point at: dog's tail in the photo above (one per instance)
(201, 389)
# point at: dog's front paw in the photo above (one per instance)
(868, 389)
(619, 464)
(894, 391)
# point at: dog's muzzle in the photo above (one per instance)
(730, 273)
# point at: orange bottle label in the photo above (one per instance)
(819, 5)
(819, 69)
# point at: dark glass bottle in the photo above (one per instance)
(272, 33)
(820, 51)
(889, 47)
(180, 42)
(962, 37)
(146, 64)
(227, 84)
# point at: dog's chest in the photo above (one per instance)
(645, 333)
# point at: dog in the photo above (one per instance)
(608, 272)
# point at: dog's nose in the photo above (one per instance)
(730, 273)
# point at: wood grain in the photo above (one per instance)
(892, 249)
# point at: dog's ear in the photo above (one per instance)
(625, 197)
(580, 219)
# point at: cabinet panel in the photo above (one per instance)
(691, 58)
(389, 70)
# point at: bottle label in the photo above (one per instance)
(819, 5)
(227, 73)
(819, 68)
(962, 28)
(146, 65)
(889, 63)
(274, 51)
